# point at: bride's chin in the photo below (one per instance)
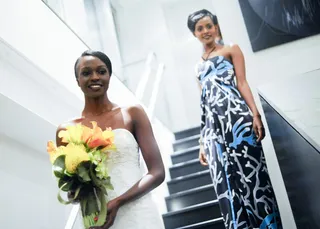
(96, 95)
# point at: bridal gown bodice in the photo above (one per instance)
(124, 170)
(124, 164)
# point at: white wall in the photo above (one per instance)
(161, 26)
(108, 36)
(33, 102)
(28, 191)
(92, 21)
(50, 49)
(287, 60)
(143, 28)
(298, 100)
(186, 51)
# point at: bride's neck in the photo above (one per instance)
(96, 106)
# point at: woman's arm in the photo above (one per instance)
(197, 78)
(202, 156)
(242, 83)
(244, 89)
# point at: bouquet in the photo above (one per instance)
(80, 168)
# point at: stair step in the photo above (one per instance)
(190, 197)
(185, 155)
(189, 181)
(210, 224)
(187, 133)
(186, 143)
(185, 168)
(192, 215)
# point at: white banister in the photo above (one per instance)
(144, 78)
(72, 217)
(155, 91)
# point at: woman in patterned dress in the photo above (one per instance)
(231, 133)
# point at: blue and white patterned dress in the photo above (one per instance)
(237, 163)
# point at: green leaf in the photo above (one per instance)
(63, 180)
(83, 171)
(92, 202)
(68, 174)
(83, 205)
(59, 166)
(96, 157)
(103, 210)
(97, 182)
(104, 157)
(101, 171)
(107, 183)
(61, 200)
(66, 185)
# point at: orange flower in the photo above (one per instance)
(51, 147)
(53, 151)
(86, 134)
(100, 138)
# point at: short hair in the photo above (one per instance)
(100, 55)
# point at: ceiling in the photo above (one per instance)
(127, 3)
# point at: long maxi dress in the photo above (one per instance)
(236, 161)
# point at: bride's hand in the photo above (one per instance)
(113, 207)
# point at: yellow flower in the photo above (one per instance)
(93, 138)
(75, 154)
(53, 151)
(72, 134)
(108, 134)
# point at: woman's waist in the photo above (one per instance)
(118, 191)
(224, 101)
(124, 176)
(226, 79)
(222, 90)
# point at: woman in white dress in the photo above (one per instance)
(130, 204)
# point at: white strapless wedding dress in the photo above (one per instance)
(124, 169)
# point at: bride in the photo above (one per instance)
(130, 204)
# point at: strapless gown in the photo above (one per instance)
(124, 169)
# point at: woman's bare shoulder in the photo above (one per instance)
(71, 122)
(134, 109)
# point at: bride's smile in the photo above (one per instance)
(129, 204)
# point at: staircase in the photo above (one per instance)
(192, 202)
